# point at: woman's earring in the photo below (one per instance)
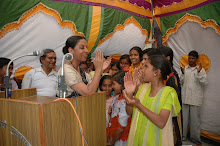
(155, 74)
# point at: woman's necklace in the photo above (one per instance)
(77, 69)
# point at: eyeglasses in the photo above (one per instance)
(50, 58)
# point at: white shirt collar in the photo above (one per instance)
(191, 67)
(40, 69)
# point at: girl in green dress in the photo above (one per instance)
(153, 106)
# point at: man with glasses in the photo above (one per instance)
(43, 78)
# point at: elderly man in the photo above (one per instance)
(43, 78)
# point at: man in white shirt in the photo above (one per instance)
(3, 66)
(44, 77)
(192, 78)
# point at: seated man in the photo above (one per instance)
(43, 78)
(3, 66)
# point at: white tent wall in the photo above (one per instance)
(42, 31)
(192, 36)
(122, 41)
(39, 32)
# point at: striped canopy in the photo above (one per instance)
(114, 27)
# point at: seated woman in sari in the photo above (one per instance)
(153, 105)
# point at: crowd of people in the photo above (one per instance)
(143, 91)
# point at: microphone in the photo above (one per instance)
(68, 57)
(37, 53)
(7, 85)
(61, 85)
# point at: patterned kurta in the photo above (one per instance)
(119, 118)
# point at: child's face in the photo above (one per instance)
(192, 61)
(145, 58)
(124, 63)
(3, 70)
(134, 57)
(88, 62)
(117, 87)
(92, 66)
(114, 70)
(85, 67)
(107, 86)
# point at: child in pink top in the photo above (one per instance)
(105, 84)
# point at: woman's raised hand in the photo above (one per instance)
(98, 60)
(106, 63)
(130, 84)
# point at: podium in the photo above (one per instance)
(20, 93)
(41, 121)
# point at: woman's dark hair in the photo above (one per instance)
(167, 51)
(153, 51)
(4, 61)
(125, 56)
(160, 62)
(116, 64)
(194, 54)
(102, 80)
(146, 50)
(71, 42)
(106, 57)
(119, 78)
(139, 50)
(172, 83)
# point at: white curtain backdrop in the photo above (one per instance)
(42, 31)
(191, 36)
(39, 32)
(129, 37)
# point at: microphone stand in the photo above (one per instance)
(61, 86)
(8, 85)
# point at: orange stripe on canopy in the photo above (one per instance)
(124, 5)
(177, 6)
(95, 26)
